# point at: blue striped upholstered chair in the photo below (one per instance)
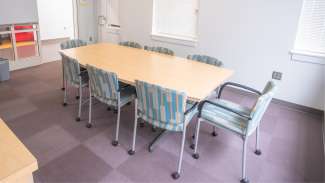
(131, 44)
(162, 50)
(205, 59)
(208, 60)
(75, 77)
(104, 87)
(74, 43)
(163, 108)
(240, 120)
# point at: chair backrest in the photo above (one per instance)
(74, 43)
(130, 44)
(160, 50)
(103, 85)
(71, 69)
(261, 105)
(160, 106)
(205, 59)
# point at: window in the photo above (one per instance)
(175, 20)
(310, 40)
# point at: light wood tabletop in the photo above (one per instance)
(196, 79)
(16, 163)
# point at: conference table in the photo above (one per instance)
(194, 78)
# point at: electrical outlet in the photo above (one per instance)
(277, 75)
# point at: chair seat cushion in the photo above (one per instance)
(226, 119)
(172, 127)
(127, 95)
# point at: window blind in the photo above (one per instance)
(311, 30)
(176, 18)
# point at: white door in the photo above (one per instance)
(108, 21)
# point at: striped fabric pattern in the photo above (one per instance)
(72, 44)
(104, 85)
(160, 50)
(230, 121)
(261, 105)
(205, 59)
(71, 70)
(131, 44)
(161, 107)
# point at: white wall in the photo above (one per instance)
(252, 37)
(18, 11)
(87, 20)
(54, 24)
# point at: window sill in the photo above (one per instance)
(174, 39)
(308, 57)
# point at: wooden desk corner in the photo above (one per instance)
(17, 164)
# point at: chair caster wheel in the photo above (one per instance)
(214, 134)
(64, 104)
(192, 146)
(244, 180)
(89, 125)
(150, 149)
(258, 152)
(141, 125)
(196, 156)
(78, 119)
(193, 136)
(129, 103)
(115, 143)
(130, 152)
(62, 89)
(109, 109)
(115, 111)
(176, 175)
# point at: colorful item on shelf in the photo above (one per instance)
(24, 36)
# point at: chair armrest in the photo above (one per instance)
(190, 109)
(222, 107)
(238, 86)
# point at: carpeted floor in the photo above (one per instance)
(31, 104)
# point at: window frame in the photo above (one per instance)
(172, 38)
(305, 55)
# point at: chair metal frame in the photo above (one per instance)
(244, 137)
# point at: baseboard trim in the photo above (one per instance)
(298, 107)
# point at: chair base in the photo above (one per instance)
(214, 134)
(196, 156)
(89, 125)
(244, 180)
(192, 146)
(131, 152)
(64, 104)
(78, 119)
(176, 175)
(141, 125)
(115, 143)
(258, 152)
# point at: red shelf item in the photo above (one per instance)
(24, 36)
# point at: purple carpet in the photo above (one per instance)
(31, 104)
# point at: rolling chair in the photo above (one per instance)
(104, 87)
(163, 108)
(75, 77)
(162, 50)
(131, 44)
(237, 119)
(74, 43)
